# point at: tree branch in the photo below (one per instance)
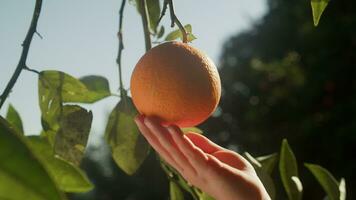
(144, 17)
(121, 45)
(175, 20)
(25, 48)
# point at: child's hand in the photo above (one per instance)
(221, 173)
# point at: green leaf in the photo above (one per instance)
(22, 176)
(94, 88)
(205, 196)
(268, 162)
(154, 12)
(288, 168)
(328, 182)
(178, 34)
(342, 189)
(14, 119)
(128, 146)
(175, 192)
(55, 88)
(318, 7)
(263, 174)
(50, 100)
(72, 137)
(68, 177)
(192, 129)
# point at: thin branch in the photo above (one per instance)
(25, 48)
(121, 45)
(39, 35)
(144, 17)
(31, 70)
(175, 20)
(164, 9)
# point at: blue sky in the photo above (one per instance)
(79, 38)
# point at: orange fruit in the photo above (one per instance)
(176, 83)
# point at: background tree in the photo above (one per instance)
(285, 78)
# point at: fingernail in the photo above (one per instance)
(139, 118)
(147, 121)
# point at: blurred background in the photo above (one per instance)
(281, 78)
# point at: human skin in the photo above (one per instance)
(221, 173)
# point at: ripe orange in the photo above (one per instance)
(176, 83)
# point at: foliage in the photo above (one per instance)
(129, 148)
(14, 119)
(178, 34)
(335, 190)
(34, 183)
(318, 7)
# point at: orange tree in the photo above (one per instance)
(47, 166)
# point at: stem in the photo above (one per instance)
(175, 20)
(25, 48)
(144, 17)
(121, 45)
(164, 9)
(31, 70)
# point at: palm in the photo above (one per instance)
(220, 172)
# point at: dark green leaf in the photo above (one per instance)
(268, 162)
(68, 177)
(318, 7)
(289, 172)
(72, 137)
(173, 175)
(175, 192)
(129, 148)
(97, 84)
(161, 32)
(71, 89)
(22, 175)
(178, 34)
(14, 119)
(154, 12)
(328, 182)
(264, 176)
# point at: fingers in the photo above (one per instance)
(155, 143)
(203, 143)
(165, 140)
(195, 155)
(226, 156)
(231, 158)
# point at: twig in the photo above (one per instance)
(164, 9)
(39, 35)
(25, 48)
(31, 70)
(175, 20)
(121, 45)
(144, 17)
